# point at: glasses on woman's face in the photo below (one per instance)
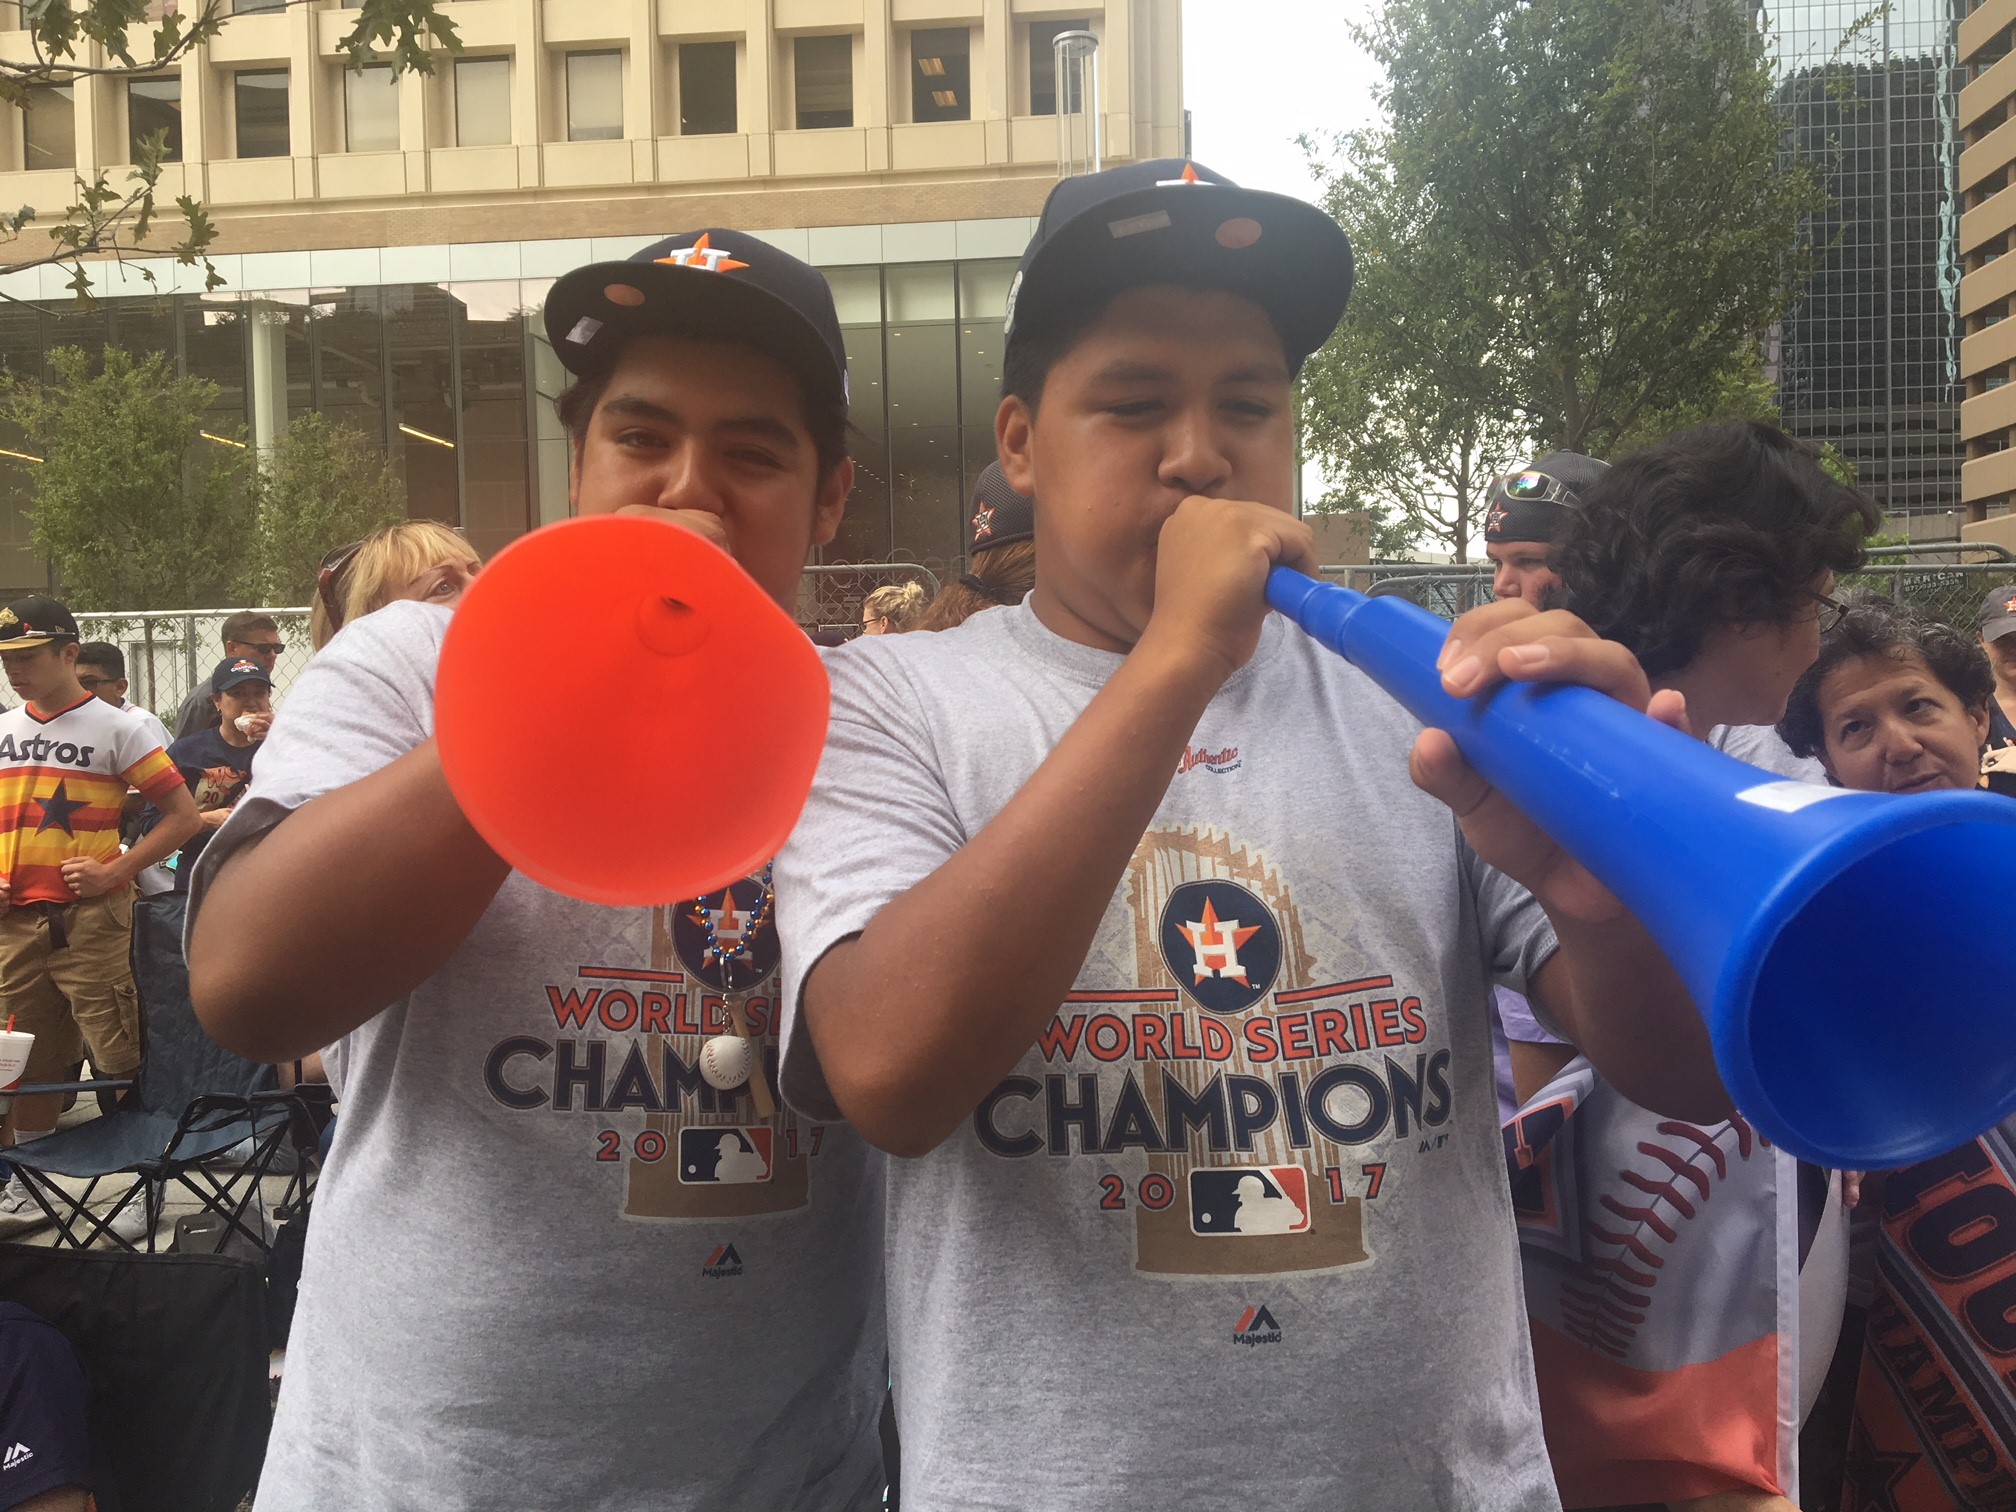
(1831, 611)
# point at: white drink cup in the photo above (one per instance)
(14, 1048)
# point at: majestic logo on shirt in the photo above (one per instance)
(722, 1262)
(1221, 944)
(1256, 1325)
(729, 1156)
(742, 925)
(1249, 1200)
(17, 1456)
(57, 809)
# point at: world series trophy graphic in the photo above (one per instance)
(1244, 1211)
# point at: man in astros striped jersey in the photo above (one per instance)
(66, 761)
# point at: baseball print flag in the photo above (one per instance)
(1661, 1264)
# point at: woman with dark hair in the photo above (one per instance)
(1712, 555)
(1898, 702)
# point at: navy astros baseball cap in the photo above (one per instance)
(1175, 221)
(1000, 515)
(236, 670)
(716, 284)
(36, 620)
(1998, 614)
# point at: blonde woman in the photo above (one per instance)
(892, 608)
(414, 559)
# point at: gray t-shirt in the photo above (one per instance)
(1235, 1231)
(550, 1267)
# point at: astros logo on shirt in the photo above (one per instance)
(1221, 944)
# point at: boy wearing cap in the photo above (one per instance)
(1527, 514)
(1116, 913)
(248, 636)
(551, 1265)
(1997, 624)
(217, 763)
(67, 759)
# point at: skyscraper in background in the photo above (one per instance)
(1869, 357)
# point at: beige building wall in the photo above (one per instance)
(886, 167)
(1988, 275)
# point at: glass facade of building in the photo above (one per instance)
(1869, 356)
(454, 382)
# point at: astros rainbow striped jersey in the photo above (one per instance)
(62, 781)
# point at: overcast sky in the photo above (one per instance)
(1258, 72)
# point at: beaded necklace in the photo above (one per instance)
(724, 956)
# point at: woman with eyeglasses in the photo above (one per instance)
(1713, 556)
(413, 559)
(1900, 702)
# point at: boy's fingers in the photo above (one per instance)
(1440, 771)
(1546, 648)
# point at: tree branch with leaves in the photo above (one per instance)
(120, 39)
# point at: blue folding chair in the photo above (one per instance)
(190, 1107)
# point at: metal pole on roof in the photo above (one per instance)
(1075, 62)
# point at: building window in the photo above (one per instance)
(371, 109)
(706, 88)
(823, 72)
(1043, 64)
(154, 105)
(252, 7)
(594, 96)
(941, 70)
(49, 127)
(482, 102)
(259, 100)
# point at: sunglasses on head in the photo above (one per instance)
(329, 578)
(1536, 487)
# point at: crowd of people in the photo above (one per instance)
(1115, 1120)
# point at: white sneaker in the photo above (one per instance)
(15, 1201)
(131, 1223)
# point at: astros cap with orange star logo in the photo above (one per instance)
(714, 284)
(1998, 613)
(1171, 220)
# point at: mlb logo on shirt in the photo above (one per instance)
(1249, 1200)
(724, 1156)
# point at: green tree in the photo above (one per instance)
(1414, 452)
(69, 39)
(137, 507)
(322, 485)
(1574, 224)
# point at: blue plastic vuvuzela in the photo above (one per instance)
(1852, 953)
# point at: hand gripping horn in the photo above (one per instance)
(1853, 954)
(624, 715)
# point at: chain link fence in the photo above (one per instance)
(169, 653)
(1947, 578)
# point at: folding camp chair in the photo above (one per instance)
(192, 1104)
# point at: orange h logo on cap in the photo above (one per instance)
(703, 255)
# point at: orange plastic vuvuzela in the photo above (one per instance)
(624, 715)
